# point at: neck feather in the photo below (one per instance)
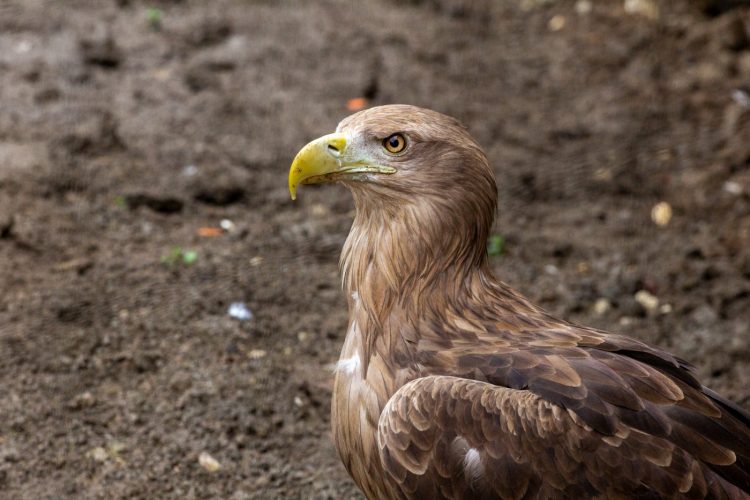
(405, 250)
(403, 261)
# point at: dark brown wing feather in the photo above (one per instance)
(449, 437)
(610, 384)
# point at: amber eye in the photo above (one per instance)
(395, 143)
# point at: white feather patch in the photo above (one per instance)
(348, 365)
(473, 464)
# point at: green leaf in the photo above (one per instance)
(495, 245)
(154, 16)
(189, 256)
(177, 255)
(173, 256)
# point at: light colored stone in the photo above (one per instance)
(645, 8)
(601, 306)
(646, 299)
(256, 354)
(99, 454)
(584, 7)
(208, 462)
(661, 213)
(556, 23)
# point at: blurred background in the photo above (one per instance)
(168, 317)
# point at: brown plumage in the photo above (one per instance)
(452, 385)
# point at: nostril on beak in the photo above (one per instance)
(335, 144)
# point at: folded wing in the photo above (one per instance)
(451, 437)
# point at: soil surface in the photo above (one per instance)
(129, 131)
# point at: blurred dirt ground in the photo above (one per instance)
(127, 126)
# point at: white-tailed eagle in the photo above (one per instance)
(453, 385)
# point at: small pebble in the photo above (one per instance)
(645, 8)
(732, 187)
(227, 225)
(303, 336)
(116, 447)
(208, 462)
(162, 74)
(238, 310)
(556, 23)
(646, 299)
(319, 209)
(661, 214)
(584, 7)
(99, 454)
(256, 354)
(603, 174)
(601, 306)
(262, 481)
(83, 400)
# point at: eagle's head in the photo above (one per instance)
(410, 163)
(398, 151)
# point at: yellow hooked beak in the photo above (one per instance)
(327, 159)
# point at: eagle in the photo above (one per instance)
(451, 384)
